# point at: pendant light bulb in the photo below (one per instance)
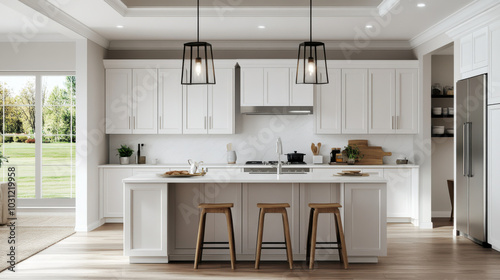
(197, 66)
(311, 66)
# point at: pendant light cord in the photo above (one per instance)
(198, 21)
(310, 21)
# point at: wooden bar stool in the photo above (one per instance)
(224, 208)
(316, 209)
(279, 208)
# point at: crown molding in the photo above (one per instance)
(476, 22)
(39, 38)
(386, 6)
(54, 13)
(452, 21)
(171, 45)
(219, 10)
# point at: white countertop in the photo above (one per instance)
(240, 177)
(243, 165)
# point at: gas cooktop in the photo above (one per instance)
(271, 162)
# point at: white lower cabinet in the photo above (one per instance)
(365, 222)
(111, 190)
(494, 176)
(399, 194)
(146, 226)
(273, 225)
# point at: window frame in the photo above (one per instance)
(38, 201)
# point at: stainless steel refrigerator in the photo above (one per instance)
(470, 175)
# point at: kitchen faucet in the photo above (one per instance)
(279, 151)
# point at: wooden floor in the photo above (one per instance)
(412, 254)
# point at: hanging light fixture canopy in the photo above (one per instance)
(311, 63)
(197, 60)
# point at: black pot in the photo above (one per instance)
(295, 157)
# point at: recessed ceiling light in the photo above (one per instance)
(421, 5)
(119, 26)
(368, 26)
(261, 27)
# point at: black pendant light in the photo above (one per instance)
(197, 60)
(311, 64)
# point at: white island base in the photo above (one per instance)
(161, 215)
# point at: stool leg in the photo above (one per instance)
(340, 233)
(230, 231)
(260, 233)
(313, 239)
(288, 241)
(199, 243)
(309, 229)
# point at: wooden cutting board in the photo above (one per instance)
(372, 154)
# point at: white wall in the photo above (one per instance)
(58, 56)
(92, 145)
(255, 140)
(442, 149)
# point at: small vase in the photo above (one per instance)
(351, 161)
(124, 160)
(231, 157)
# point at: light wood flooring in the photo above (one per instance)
(412, 254)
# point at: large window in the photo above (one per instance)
(38, 133)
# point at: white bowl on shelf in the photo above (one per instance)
(451, 111)
(438, 129)
(450, 131)
(437, 111)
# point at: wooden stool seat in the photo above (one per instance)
(224, 208)
(316, 209)
(279, 208)
(215, 205)
(273, 205)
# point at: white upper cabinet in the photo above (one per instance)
(144, 101)
(195, 109)
(276, 86)
(494, 73)
(474, 50)
(382, 101)
(141, 100)
(210, 109)
(118, 101)
(328, 107)
(480, 48)
(131, 101)
(272, 83)
(252, 87)
(406, 101)
(169, 101)
(221, 108)
(300, 94)
(354, 101)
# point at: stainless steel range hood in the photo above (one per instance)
(276, 110)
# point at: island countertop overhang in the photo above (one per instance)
(240, 177)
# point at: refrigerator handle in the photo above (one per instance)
(469, 149)
(464, 150)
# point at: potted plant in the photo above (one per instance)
(353, 153)
(125, 152)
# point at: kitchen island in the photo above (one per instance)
(161, 214)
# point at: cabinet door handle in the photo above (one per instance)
(397, 122)
(160, 122)
(135, 123)
(211, 122)
(205, 123)
(128, 122)
(392, 122)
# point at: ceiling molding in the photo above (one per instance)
(475, 22)
(453, 20)
(170, 45)
(53, 12)
(40, 38)
(386, 6)
(241, 11)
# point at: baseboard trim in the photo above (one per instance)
(45, 209)
(89, 227)
(426, 225)
(398, 220)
